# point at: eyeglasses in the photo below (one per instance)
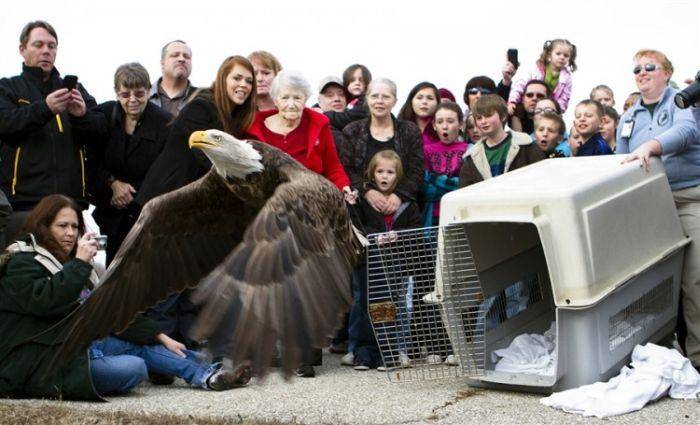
(475, 90)
(537, 96)
(650, 67)
(541, 110)
(126, 94)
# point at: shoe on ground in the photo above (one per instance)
(348, 360)
(226, 379)
(433, 359)
(159, 379)
(404, 360)
(383, 368)
(451, 360)
(306, 371)
(362, 367)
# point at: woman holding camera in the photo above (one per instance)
(44, 276)
(655, 126)
(132, 137)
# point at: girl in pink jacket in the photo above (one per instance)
(554, 67)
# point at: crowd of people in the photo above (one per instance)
(62, 151)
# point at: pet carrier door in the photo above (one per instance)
(425, 302)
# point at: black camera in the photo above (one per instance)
(690, 95)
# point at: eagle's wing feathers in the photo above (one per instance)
(178, 239)
(288, 280)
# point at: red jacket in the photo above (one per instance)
(321, 155)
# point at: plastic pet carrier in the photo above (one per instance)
(542, 279)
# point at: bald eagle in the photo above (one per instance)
(267, 243)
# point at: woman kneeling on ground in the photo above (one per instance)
(44, 276)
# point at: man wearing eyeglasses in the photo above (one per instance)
(43, 128)
(524, 117)
(655, 126)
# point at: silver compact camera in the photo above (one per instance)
(101, 241)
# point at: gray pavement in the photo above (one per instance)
(341, 395)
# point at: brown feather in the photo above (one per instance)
(271, 255)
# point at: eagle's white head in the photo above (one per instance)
(230, 156)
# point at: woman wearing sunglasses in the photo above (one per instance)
(476, 87)
(131, 138)
(655, 126)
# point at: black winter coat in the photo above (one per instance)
(178, 165)
(409, 146)
(125, 159)
(42, 152)
(341, 119)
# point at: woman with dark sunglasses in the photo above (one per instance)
(476, 87)
(655, 126)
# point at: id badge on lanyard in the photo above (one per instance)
(627, 128)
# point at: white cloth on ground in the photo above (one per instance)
(656, 371)
(529, 353)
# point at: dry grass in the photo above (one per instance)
(59, 415)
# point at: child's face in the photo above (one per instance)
(424, 103)
(547, 134)
(385, 175)
(489, 126)
(607, 129)
(560, 55)
(575, 140)
(604, 97)
(473, 132)
(587, 121)
(446, 125)
(357, 83)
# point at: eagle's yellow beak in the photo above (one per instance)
(198, 139)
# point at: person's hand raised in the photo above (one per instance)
(58, 100)
(87, 247)
(508, 72)
(76, 105)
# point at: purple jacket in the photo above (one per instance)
(562, 92)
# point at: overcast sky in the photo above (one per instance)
(445, 42)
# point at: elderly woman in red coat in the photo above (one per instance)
(300, 131)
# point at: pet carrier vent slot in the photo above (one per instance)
(641, 313)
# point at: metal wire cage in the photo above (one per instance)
(425, 303)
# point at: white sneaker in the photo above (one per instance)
(451, 360)
(433, 359)
(404, 360)
(348, 359)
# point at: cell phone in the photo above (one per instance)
(513, 57)
(70, 81)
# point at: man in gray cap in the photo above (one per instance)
(331, 95)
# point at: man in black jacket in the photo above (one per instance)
(43, 128)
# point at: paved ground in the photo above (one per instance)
(340, 395)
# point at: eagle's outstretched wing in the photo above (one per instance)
(179, 238)
(287, 281)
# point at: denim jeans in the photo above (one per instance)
(117, 366)
(356, 310)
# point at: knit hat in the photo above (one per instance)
(444, 93)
